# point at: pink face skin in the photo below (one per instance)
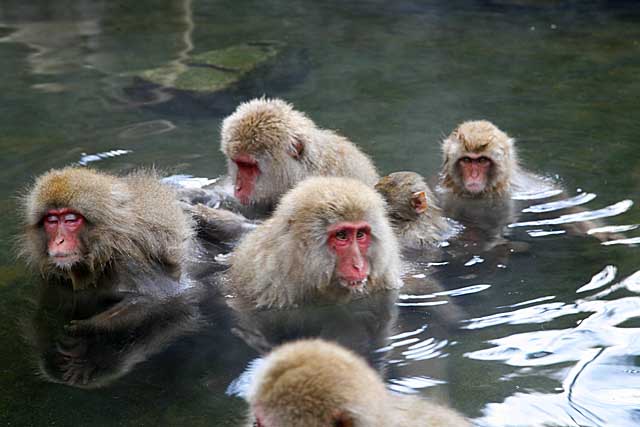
(62, 227)
(350, 242)
(246, 177)
(475, 172)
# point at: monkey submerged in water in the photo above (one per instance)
(481, 177)
(270, 147)
(329, 238)
(414, 211)
(314, 383)
(124, 238)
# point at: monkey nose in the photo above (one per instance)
(59, 240)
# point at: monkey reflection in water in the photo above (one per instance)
(111, 250)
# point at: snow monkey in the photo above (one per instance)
(270, 147)
(315, 383)
(328, 238)
(481, 177)
(414, 211)
(479, 160)
(121, 237)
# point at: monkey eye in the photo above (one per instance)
(361, 234)
(466, 160)
(70, 218)
(51, 219)
(341, 235)
(483, 160)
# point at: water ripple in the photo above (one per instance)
(609, 211)
(561, 204)
(601, 279)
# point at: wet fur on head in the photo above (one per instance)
(311, 382)
(286, 260)
(479, 137)
(288, 147)
(131, 218)
(307, 383)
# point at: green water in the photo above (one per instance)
(395, 77)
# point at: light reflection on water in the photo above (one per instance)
(547, 334)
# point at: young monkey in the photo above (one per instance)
(314, 383)
(479, 161)
(414, 212)
(329, 238)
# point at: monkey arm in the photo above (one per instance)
(218, 225)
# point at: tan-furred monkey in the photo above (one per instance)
(328, 239)
(414, 212)
(481, 177)
(270, 147)
(315, 383)
(124, 238)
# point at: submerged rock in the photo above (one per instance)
(213, 70)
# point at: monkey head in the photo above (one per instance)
(328, 238)
(264, 141)
(407, 196)
(314, 383)
(79, 220)
(478, 160)
(344, 226)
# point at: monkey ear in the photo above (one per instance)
(296, 149)
(342, 419)
(419, 201)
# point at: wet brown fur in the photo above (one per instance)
(484, 138)
(286, 260)
(313, 383)
(289, 147)
(132, 219)
(414, 229)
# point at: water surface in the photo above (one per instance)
(548, 335)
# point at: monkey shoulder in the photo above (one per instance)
(415, 411)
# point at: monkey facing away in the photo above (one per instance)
(270, 147)
(125, 238)
(414, 212)
(314, 383)
(329, 238)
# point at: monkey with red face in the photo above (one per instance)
(481, 177)
(123, 238)
(328, 239)
(270, 147)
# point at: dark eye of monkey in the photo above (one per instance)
(341, 235)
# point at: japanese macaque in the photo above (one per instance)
(328, 238)
(414, 211)
(315, 383)
(479, 160)
(124, 238)
(481, 178)
(270, 147)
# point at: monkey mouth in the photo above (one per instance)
(64, 260)
(354, 285)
